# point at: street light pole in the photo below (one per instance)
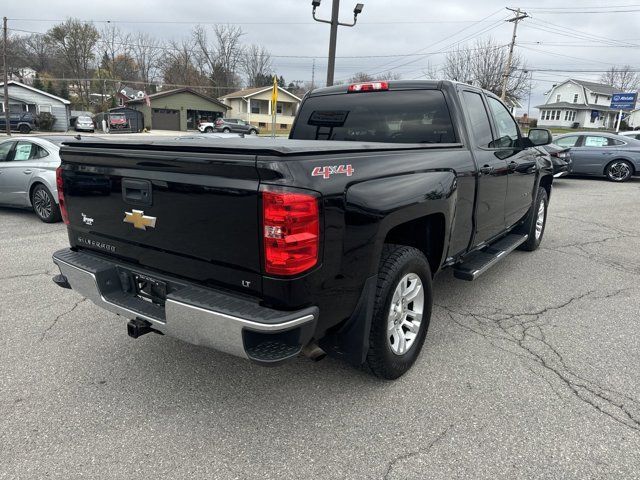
(7, 117)
(333, 38)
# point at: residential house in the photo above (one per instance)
(633, 120)
(24, 75)
(125, 94)
(579, 104)
(253, 105)
(179, 109)
(24, 98)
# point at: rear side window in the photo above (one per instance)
(596, 141)
(478, 118)
(409, 116)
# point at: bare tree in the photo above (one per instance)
(623, 79)
(39, 53)
(365, 77)
(483, 65)
(76, 41)
(146, 52)
(256, 65)
(180, 66)
(221, 57)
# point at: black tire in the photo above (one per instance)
(44, 205)
(208, 130)
(618, 171)
(531, 224)
(226, 130)
(253, 131)
(24, 129)
(397, 262)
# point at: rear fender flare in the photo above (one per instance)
(375, 207)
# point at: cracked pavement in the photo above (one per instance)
(529, 372)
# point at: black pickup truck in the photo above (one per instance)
(326, 242)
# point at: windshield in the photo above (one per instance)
(409, 116)
(117, 116)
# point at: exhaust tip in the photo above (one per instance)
(314, 352)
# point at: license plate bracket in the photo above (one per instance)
(149, 289)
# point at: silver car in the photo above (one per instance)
(28, 174)
(602, 154)
(84, 124)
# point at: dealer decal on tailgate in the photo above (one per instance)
(327, 171)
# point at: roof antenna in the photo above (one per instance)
(78, 137)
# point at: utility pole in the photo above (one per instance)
(6, 77)
(313, 74)
(333, 38)
(507, 71)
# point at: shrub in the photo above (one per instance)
(45, 121)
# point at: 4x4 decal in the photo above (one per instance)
(327, 171)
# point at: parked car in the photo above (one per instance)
(602, 154)
(560, 158)
(84, 124)
(28, 174)
(20, 122)
(633, 134)
(229, 125)
(324, 242)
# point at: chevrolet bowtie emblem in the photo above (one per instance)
(139, 219)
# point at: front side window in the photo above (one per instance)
(5, 148)
(478, 119)
(567, 142)
(507, 129)
(406, 116)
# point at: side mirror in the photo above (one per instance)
(540, 136)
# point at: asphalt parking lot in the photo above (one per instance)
(530, 372)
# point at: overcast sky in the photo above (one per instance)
(573, 35)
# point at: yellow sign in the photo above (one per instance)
(274, 95)
(139, 219)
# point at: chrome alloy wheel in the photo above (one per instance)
(405, 314)
(619, 171)
(42, 203)
(540, 219)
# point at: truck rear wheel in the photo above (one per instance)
(402, 311)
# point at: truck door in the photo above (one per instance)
(521, 162)
(492, 170)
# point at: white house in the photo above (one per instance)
(24, 98)
(633, 120)
(578, 101)
(253, 105)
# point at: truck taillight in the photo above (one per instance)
(61, 202)
(291, 225)
(368, 87)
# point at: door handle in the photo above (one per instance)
(486, 170)
(28, 171)
(512, 166)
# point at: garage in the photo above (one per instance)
(178, 109)
(165, 119)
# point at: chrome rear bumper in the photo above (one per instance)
(201, 316)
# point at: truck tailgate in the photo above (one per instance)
(193, 214)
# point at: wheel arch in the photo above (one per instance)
(40, 181)
(426, 233)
